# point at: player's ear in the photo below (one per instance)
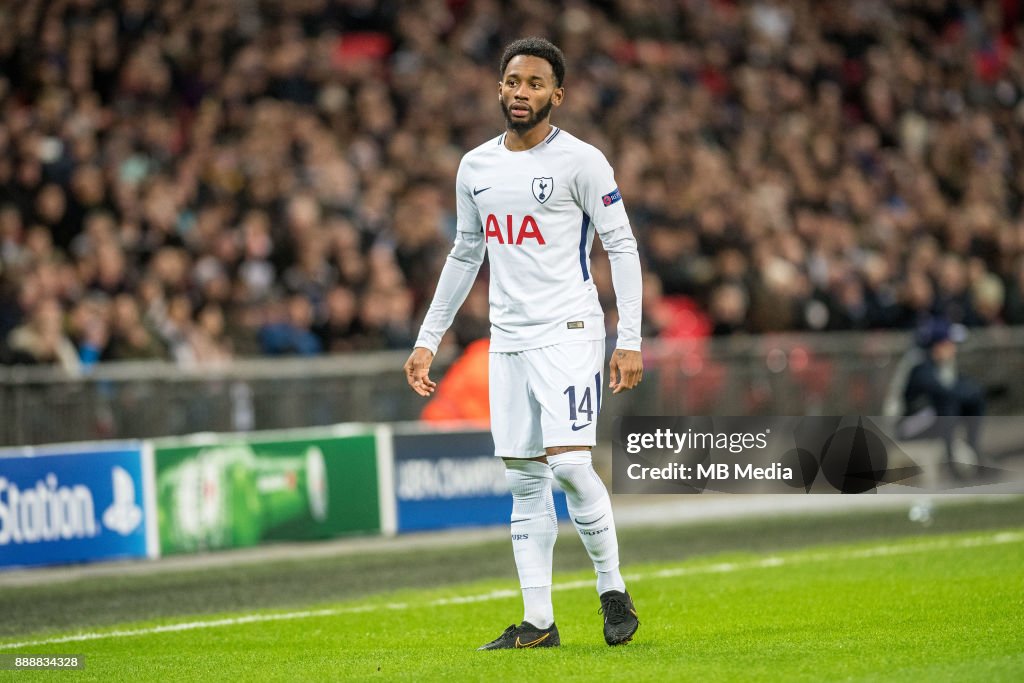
(557, 96)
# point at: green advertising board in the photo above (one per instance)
(232, 491)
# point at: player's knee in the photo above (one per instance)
(573, 472)
(569, 461)
(527, 478)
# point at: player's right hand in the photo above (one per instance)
(417, 370)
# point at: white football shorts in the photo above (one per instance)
(546, 397)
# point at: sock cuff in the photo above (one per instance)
(570, 458)
(528, 468)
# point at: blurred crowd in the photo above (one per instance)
(198, 180)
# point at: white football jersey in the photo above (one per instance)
(538, 210)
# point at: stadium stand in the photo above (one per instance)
(198, 180)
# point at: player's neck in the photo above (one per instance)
(520, 142)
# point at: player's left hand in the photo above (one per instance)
(625, 370)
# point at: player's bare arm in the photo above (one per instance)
(625, 370)
(417, 371)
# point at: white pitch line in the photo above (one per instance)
(718, 568)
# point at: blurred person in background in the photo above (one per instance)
(288, 328)
(131, 339)
(208, 338)
(175, 330)
(1015, 295)
(336, 326)
(43, 341)
(728, 309)
(462, 394)
(89, 329)
(936, 389)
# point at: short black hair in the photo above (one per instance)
(536, 47)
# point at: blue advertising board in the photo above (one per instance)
(452, 479)
(78, 504)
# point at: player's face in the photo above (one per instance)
(527, 92)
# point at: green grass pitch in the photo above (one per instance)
(926, 608)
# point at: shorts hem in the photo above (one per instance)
(518, 455)
(567, 444)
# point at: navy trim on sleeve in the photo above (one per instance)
(583, 246)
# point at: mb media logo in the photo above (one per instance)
(48, 511)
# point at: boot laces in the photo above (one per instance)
(614, 610)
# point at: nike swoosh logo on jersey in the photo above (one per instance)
(482, 189)
(576, 427)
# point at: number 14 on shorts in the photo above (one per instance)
(587, 405)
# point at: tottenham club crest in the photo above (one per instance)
(542, 188)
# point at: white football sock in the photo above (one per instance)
(537, 608)
(610, 581)
(591, 512)
(534, 529)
